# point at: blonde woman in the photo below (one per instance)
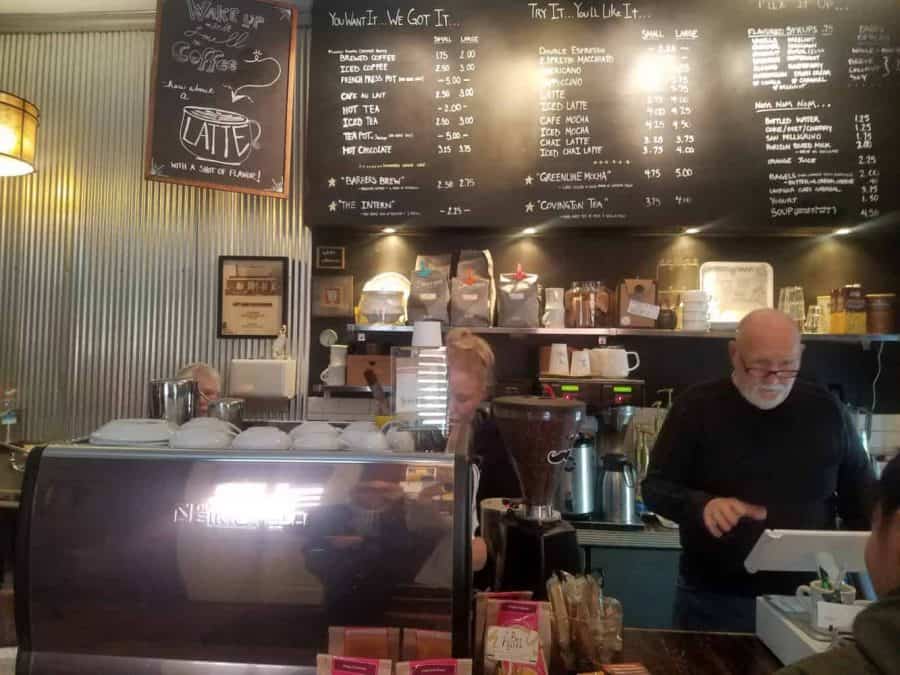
(470, 362)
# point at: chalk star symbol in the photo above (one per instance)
(332, 182)
(529, 207)
(332, 207)
(529, 180)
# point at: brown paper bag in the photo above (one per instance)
(419, 645)
(367, 643)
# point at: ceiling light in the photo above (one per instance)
(529, 230)
(692, 230)
(389, 230)
(18, 134)
(842, 231)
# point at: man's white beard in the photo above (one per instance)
(753, 394)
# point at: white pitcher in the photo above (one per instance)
(613, 362)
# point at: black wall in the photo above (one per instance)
(816, 263)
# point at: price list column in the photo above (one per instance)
(455, 61)
(668, 144)
(868, 173)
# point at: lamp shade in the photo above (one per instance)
(18, 134)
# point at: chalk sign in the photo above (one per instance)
(222, 95)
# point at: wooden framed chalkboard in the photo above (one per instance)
(222, 95)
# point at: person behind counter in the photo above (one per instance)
(877, 629)
(209, 381)
(758, 449)
(470, 362)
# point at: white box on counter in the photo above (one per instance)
(263, 378)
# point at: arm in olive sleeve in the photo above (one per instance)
(856, 479)
(666, 488)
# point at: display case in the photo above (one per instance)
(134, 560)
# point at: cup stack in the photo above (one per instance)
(695, 310)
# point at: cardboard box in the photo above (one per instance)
(357, 364)
(643, 313)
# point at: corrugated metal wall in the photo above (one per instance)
(108, 280)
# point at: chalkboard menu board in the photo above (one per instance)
(222, 94)
(751, 114)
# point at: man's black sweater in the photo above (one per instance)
(803, 461)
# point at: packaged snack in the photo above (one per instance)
(327, 664)
(420, 644)
(518, 638)
(364, 642)
(435, 667)
(481, 600)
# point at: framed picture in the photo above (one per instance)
(332, 296)
(252, 296)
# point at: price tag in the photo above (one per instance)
(835, 615)
(643, 309)
(515, 644)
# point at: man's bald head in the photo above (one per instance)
(764, 355)
(768, 327)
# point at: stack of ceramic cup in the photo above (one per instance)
(694, 310)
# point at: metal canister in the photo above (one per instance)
(880, 313)
(228, 409)
(174, 400)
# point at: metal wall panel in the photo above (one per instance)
(108, 280)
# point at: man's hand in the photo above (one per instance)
(721, 515)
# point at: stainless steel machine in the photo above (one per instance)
(611, 471)
(136, 560)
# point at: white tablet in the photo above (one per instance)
(795, 550)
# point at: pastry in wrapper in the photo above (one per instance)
(420, 645)
(369, 643)
(481, 600)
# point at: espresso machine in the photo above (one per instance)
(535, 541)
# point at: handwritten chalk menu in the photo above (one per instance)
(744, 113)
(222, 92)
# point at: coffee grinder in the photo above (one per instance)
(535, 541)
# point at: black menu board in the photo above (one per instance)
(222, 95)
(652, 113)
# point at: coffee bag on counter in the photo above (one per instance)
(429, 295)
(369, 643)
(519, 306)
(421, 644)
(343, 665)
(470, 303)
(435, 667)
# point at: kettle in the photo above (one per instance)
(617, 490)
(575, 495)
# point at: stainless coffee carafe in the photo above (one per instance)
(617, 490)
(174, 400)
(577, 492)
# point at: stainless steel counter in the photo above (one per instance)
(652, 536)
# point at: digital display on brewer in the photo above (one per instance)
(570, 388)
(623, 390)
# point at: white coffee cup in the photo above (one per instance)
(427, 334)
(581, 363)
(559, 359)
(334, 376)
(338, 355)
(613, 362)
(814, 593)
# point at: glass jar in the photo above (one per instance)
(573, 305)
(603, 305)
(880, 317)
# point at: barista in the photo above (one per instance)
(473, 432)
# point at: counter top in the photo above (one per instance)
(685, 653)
(652, 536)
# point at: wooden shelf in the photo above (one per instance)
(639, 332)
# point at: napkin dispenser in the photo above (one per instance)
(263, 378)
(206, 562)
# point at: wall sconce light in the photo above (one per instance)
(18, 134)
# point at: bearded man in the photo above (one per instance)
(757, 450)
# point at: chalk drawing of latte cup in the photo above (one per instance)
(218, 136)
